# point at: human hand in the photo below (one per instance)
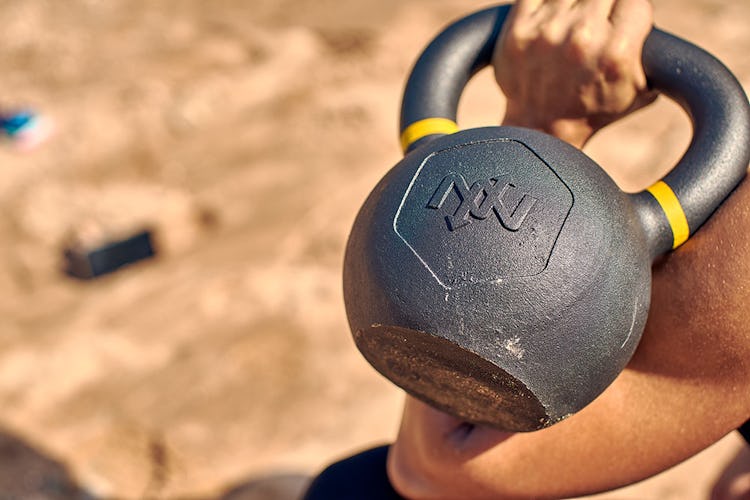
(694, 356)
(569, 68)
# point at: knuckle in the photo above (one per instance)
(616, 59)
(580, 43)
(517, 40)
(548, 37)
(552, 33)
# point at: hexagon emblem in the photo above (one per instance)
(483, 211)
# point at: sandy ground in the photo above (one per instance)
(246, 135)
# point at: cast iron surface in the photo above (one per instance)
(498, 273)
(436, 299)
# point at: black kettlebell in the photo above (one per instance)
(498, 273)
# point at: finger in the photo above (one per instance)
(552, 21)
(596, 9)
(631, 23)
(632, 18)
(559, 5)
(554, 10)
(519, 21)
(525, 8)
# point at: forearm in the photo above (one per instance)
(685, 388)
(688, 381)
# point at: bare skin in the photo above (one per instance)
(570, 68)
(687, 383)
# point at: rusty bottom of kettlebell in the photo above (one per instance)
(451, 378)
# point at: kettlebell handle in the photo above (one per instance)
(670, 210)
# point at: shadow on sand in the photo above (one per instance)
(26, 473)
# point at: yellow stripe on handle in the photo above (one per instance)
(673, 210)
(423, 128)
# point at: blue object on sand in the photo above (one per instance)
(16, 123)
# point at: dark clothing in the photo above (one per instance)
(360, 477)
(363, 476)
(745, 431)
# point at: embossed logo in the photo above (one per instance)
(510, 205)
(503, 206)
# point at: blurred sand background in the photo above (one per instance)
(245, 134)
